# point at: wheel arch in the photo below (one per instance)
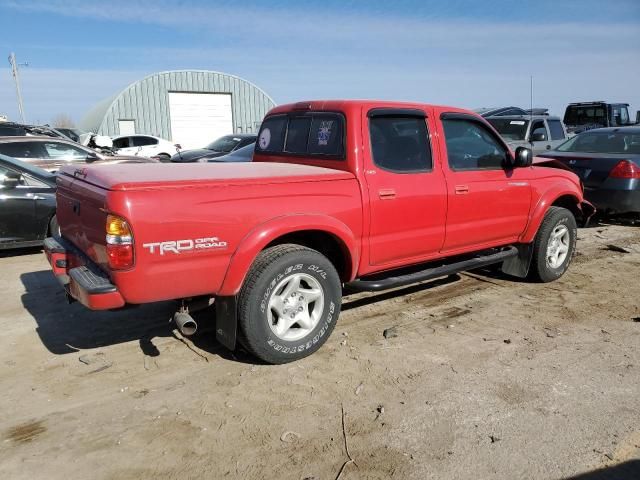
(558, 197)
(325, 234)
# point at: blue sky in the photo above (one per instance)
(459, 52)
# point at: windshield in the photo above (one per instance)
(246, 151)
(72, 133)
(510, 129)
(585, 115)
(224, 144)
(603, 142)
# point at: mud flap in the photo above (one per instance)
(226, 321)
(518, 266)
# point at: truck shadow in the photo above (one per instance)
(66, 328)
(629, 470)
(19, 252)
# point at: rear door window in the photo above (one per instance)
(313, 134)
(400, 144)
(143, 141)
(557, 132)
(121, 142)
(23, 150)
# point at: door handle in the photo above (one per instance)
(387, 193)
(461, 189)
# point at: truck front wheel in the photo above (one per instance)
(554, 245)
(289, 303)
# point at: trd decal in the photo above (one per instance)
(179, 246)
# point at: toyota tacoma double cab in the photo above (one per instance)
(367, 195)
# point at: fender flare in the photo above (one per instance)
(261, 235)
(546, 201)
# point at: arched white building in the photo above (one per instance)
(191, 107)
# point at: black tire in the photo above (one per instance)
(54, 228)
(270, 269)
(541, 269)
(164, 157)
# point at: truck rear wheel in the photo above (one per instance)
(554, 245)
(289, 303)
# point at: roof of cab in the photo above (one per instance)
(344, 105)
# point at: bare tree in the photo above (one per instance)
(63, 120)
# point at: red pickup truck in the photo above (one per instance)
(361, 194)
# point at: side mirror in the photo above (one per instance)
(92, 157)
(538, 136)
(524, 157)
(179, 147)
(11, 180)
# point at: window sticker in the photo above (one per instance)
(517, 122)
(324, 132)
(265, 139)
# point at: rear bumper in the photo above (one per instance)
(614, 201)
(81, 278)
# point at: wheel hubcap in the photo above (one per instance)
(558, 246)
(295, 307)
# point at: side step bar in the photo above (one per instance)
(378, 285)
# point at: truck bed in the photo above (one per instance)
(165, 175)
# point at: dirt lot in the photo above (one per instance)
(485, 378)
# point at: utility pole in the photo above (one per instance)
(16, 78)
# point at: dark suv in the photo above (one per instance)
(579, 117)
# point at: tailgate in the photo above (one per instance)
(82, 216)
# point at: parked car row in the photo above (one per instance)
(51, 153)
(133, 145)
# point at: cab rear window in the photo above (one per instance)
(309, 134)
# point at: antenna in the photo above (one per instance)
(14, 71)
(531, 93)
(531, 109)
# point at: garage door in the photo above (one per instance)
(199, 118)
(127, 127)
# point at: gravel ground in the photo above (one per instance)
(477, 377)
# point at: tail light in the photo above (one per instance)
(625, 169)
(119, 243)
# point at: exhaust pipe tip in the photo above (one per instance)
(185, 323)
